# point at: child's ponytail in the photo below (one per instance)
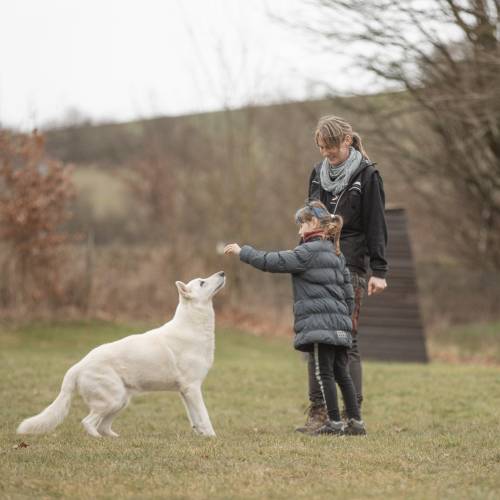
(333, 228)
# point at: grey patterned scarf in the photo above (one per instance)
(336, 178)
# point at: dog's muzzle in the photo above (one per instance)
(222, 283)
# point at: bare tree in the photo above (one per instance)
(443, 129)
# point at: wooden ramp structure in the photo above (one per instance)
(391, 326)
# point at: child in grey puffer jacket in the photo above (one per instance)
(323, 304)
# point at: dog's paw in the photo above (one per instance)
(204, 432)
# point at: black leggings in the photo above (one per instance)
(355, 370)
(315, 394)
(330, 366)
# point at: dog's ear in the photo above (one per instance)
(183, 289)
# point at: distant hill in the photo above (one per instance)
(112, 143)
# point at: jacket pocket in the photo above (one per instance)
(350, 208)
(354, 195)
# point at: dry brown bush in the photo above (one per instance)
(34, 195)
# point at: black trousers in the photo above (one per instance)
(330, 367)
(354, 357)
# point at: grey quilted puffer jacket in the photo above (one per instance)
(322, 292)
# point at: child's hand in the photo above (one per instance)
(232, 249)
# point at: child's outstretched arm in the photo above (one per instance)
(286, 261)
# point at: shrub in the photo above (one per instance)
(34, 195)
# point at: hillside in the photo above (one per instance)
(115, 144)
(261, 138)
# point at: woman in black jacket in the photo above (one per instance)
(348, 184)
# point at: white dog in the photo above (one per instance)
(175, 356)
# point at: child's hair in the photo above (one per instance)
(330, 224)
(332, 130)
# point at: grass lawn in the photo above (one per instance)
(433, 429)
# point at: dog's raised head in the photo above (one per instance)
(201, 290)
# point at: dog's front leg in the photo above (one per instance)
(196, 410)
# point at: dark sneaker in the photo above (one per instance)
(317, 416)
(331, 427)
(355, 428)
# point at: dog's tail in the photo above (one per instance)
(56, 412)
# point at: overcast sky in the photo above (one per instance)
(115, 60)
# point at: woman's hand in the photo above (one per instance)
(376, 285)
(232, 249)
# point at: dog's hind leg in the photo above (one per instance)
(91, 422)
(196, 410)
(105, 426)
(105, 395)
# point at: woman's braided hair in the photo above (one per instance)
(330, 224)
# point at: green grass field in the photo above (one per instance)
(433, 429)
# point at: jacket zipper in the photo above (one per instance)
(347, 187)
(338, 201)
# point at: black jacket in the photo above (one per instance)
(361, 205)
